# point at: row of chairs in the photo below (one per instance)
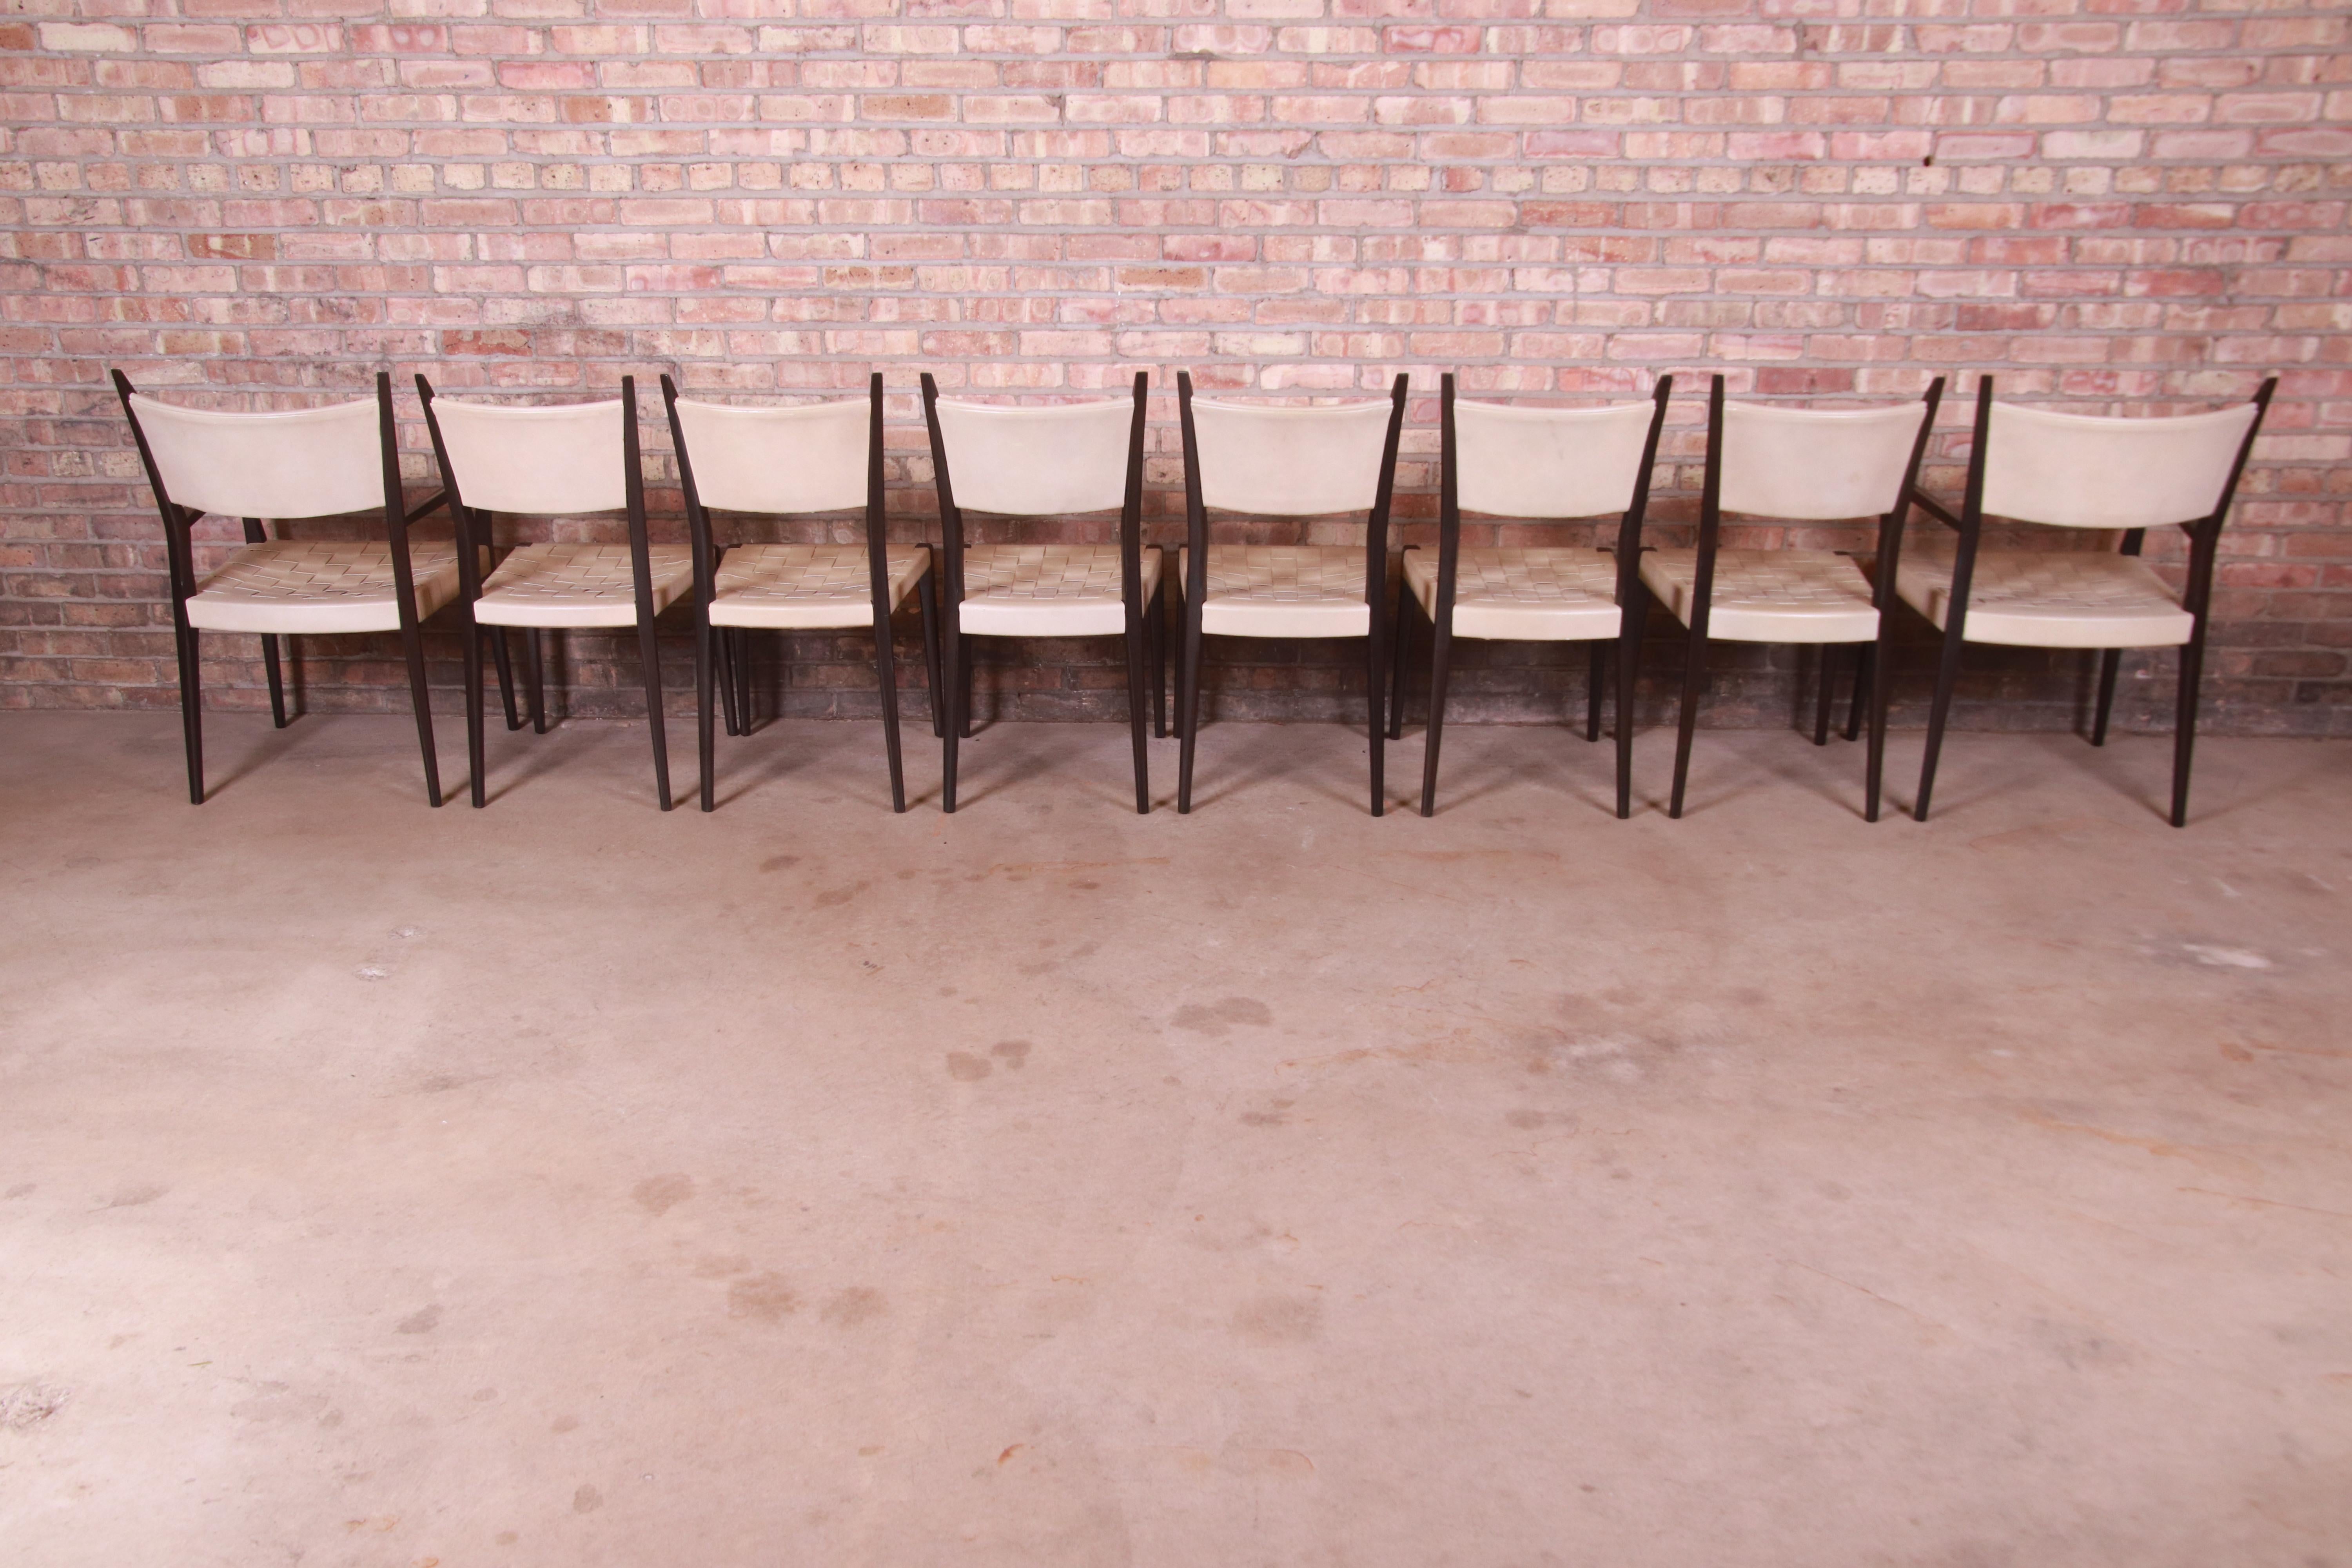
(1509, 461)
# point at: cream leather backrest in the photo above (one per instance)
(1036, 461)
(1816, 462)
(308, 462)
(537, 460)
(1548, 462)
(2083, 470)
(810, 459)
(1290, 462)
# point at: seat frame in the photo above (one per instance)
(1196, 592)
(1875, 656)
(474, 535)
(1449, 546)
(1144, 636)
(2204, 544)
(180, 554)
(728, 647)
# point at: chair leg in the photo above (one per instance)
(1400, 628)
(1188, 703)
(1866, 670)
(927, 601)
(1694, 681)
(1947, 679)
(476, 760)
(1160, 660)
(278, 719)
(885, 672)
(420, 703)
(964, 694)
(951, 656)
(2184, 735)
(741, 660)
(192, 710)
(1376, 715)
(1595, 674)
(649, 657)
(2110, 661)
(1825, 680)
(705, 744)
(1876, 670)
(1628, 664)
(722, 676)
(534, 647)
(505, 657)
(1441, 659)
(1137, 657)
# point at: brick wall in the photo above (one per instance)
(2130, 206)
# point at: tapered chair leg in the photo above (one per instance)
(885, 672)
(2184, 735)
(505, 658)
(1866, 670)
(192, 710)
(1400, 629)
(1158, 623)
(1595, 674)
(952, 655)
(534, 649)
(1137, 718)
(476, 765)
(1628, 664)
(1877, 668)
(1188, 703)
(926, 602)
(1693, 683)
(649, 655)
(705, 744)
(270, 668)
(963, 695)
(2110, 661)
(723, 662)
(1825, 681)
(420, 703)
(1947, 679)
(742, 658)
(1441, 659)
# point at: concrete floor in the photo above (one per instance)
(565, 1183)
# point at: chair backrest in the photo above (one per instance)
(307, 462)
(1513, 462)
(1036, 461)
(505, 457)
(1817, 463)
(809, 458)
(1291, 462)
(2083, 470)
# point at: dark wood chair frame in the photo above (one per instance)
(475, 534)
(733, 653)
(1876, 655)
(180, 554)
(2204, 543)
(1196, 587)
(1145, 635)
(1449, 545)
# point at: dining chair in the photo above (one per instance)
(1039, 462)
(1791, 465)
(1509, 460)
(555, 460)
(815, 458)
(2092, 472)
(296, 464)
(1272, 461)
